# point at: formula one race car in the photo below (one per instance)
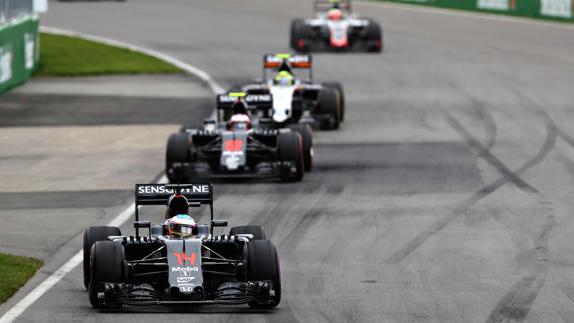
(180, 261)
(296, 100)
(236, 149)
(334, 27)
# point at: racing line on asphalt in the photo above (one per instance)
(23, 304)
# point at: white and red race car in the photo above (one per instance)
(335, 27)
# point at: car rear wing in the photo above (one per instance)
(294, 61)
(159, 194)
(252, 101)
(325, 5)
(274, 61)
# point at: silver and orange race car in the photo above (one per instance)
(335, 28)
(240, 147)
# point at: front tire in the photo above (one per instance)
(91, 236)
(290, 148)
(307, 136)
(107, 260)
(263, 264)
(339, 88)
(330, 104)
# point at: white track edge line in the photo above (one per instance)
(25, 302)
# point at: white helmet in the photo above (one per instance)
(239, 122)
(181, 225)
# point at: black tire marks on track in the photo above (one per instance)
(517, 301)
(485, 153)
(421, 238)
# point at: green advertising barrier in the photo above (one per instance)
(19, 52)
(558, 10)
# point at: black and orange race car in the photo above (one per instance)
(238, 147)
(180, 261)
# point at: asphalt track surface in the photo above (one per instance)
(444, 197)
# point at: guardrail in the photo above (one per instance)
(560, 10)
(19, 46)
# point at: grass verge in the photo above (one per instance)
(70, 56)
(14, 273)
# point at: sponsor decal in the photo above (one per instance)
(232, 159)
(184, 270)
(182, 257)
(251, 98)
(183, 279)
(29, 50)
(160, 189)
(233, 145)
(556, 8)
(5, 64)
(185, 289)
(493, 4)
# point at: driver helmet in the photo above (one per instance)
(181, 225)
(239, 122)
(284, 78)
(335, 14)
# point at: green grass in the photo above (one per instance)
(69, 56)
(15, 272)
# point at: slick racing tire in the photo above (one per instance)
(291, 150)
(91, 235)
(107, 263)
(330, 104)
(307, 137)
(255, 230)
(177, 152)
(263, 264)
(374, 36)
(339, 87)
(294, 36)
(300, 37)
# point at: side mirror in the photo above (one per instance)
(219, 223)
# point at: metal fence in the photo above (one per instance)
(11, 10)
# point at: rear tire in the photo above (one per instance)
(307, 136)
(374, 36)
(329, 103)
(263, 264)
(177, 152)
(91, 236)
(107, 266)
(256, 230)
(290, 148)
(339, 87)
